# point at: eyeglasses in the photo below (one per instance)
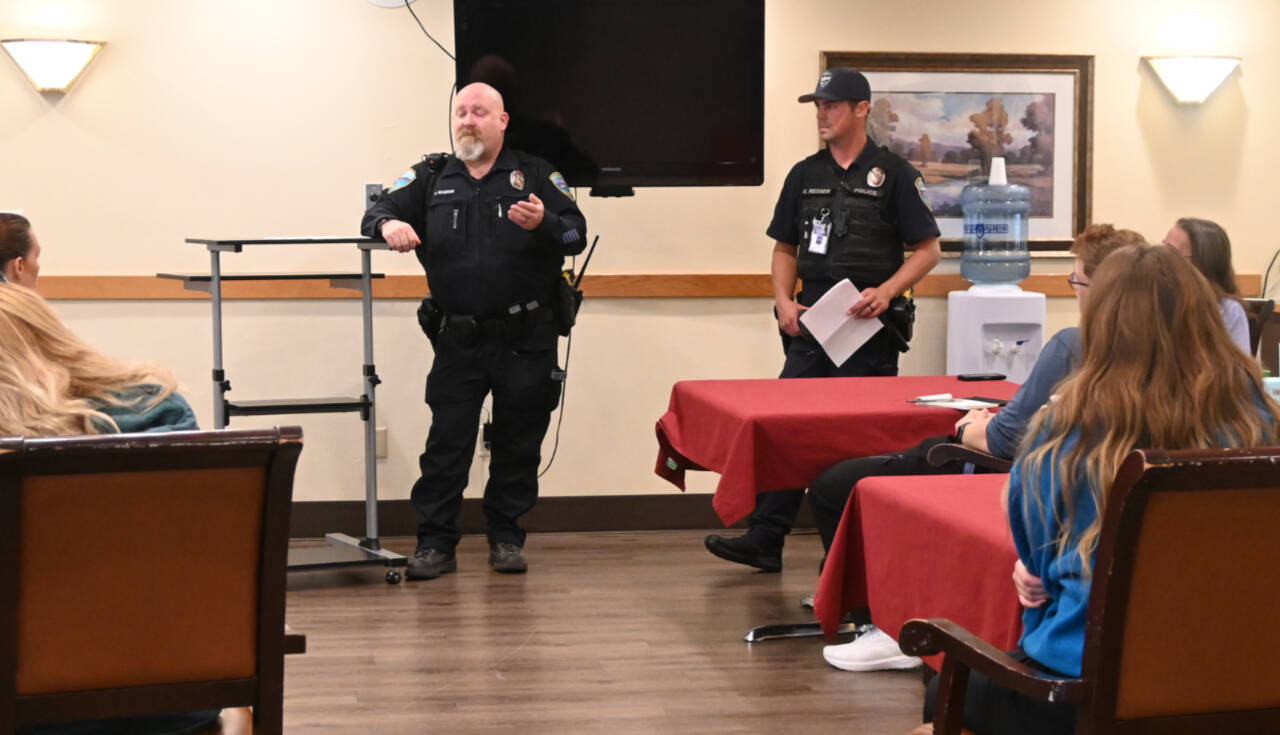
(1071, 280)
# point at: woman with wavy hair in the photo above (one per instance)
(53, 384)
(1209, 249)
(1157, 372)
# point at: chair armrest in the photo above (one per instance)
(941, 454)
(928, 637)
(294, 642)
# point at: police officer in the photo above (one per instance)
(844, 212)
(491, 227)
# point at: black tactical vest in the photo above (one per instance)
(861, 245)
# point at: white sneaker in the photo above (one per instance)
(871, 651)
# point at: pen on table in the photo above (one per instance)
(926, 399)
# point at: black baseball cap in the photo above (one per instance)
(840, 83)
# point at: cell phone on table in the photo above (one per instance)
(980, 376)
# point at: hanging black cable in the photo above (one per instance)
(1266, 275)
(448, 125)
(564, 385)
(424, 30)
(564, 391)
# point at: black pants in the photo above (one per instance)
(518, 373)
(775, 511)
(992, 709)
(829, 493)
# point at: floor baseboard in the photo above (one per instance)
(674, 512)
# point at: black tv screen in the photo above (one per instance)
(621, 93)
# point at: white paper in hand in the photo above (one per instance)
(830, 323)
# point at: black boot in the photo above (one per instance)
(744, 550)
(427, 563)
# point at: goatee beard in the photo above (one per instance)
(470, 148)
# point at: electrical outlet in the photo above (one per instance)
(372, 193)
(486, 439)
(380, 442)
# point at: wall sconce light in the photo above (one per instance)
(51, 65)
(1191, 79)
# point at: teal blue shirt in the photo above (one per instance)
(171, 414)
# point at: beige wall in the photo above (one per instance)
(251, 118)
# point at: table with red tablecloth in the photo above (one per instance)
(937, 546)
(763, 435)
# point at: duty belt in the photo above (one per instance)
(468, 328)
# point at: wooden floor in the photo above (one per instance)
(613, 633)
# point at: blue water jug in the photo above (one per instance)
(995, 230)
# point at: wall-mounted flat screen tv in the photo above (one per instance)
(624, 93)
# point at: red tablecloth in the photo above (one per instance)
(763, 435)
(924, 547)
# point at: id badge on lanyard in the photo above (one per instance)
(820, 232)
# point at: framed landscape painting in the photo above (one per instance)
(950, 114)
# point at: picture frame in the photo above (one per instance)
(949, 113)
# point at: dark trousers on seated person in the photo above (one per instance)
(830, 491)
(991, 709)
(775, 511)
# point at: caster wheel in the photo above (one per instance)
(393, 577)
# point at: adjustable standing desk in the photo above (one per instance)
(342, 550)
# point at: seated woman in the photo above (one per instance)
(996, 434)
(53, 384)
(1209, 249)
(19, 250)
(1151, 333)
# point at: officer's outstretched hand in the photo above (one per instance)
(399, 235)
(527, 215)
(789, 317)
(872, 304)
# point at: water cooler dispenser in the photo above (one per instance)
(994, 326)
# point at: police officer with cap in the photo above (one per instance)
(844, 212)
(491, 227)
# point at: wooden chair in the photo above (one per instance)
(1182, 606)
(144, 574)
(940, 454)
(1259, 312)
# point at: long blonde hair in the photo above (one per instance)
(51, 382)
(1159, 371)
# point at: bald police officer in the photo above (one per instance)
(844, 212)
(491, 227)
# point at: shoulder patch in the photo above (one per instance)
(561, 184)
(924, 194)
(405, 179)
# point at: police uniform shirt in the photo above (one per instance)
(477, 260)
(904, 204)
